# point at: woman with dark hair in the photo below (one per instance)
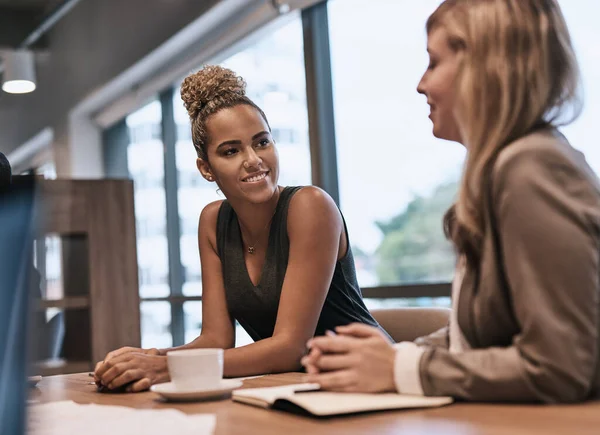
(276, 259)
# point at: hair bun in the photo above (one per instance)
(210, 83)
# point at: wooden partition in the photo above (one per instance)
(95, 222)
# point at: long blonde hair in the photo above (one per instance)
(518, 72)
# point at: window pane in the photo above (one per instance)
(274, 71)
(375, 303)
(398, 238)
(156, 324)
(273, 67)
(146, 167)
(47, 170)
(193, 324)
(241, 336)
(581, 17)
(396, 180)
(192, 312)
(52, 267)
(194, 192)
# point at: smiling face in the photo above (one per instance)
(242, 157)
(438, 85)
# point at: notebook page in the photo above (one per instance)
(268, 395)
(326, 403)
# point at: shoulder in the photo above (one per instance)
(540, 157)
(311, 205)
(531, 151)
(312, 199)
(540, 173)
(209, 215)
(207, 227)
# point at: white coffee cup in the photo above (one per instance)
(193, 369)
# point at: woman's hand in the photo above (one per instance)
(121, 351)
(134, 367)
(128, 349)
(359, 359)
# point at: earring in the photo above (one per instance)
(209, 178)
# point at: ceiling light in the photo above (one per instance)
(19, 72)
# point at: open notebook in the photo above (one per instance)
(306, 399)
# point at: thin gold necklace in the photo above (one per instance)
(252, 247)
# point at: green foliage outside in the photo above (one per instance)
(414, 248)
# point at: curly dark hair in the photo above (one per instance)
(208, 91)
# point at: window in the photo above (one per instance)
(193, 320)
(48, 262)
(274, 71)
(47, 170)
(156, 323)
(387, 156)
(383, 133)
(585, 34)
(146, 168)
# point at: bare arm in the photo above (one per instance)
(314, 230)
(144, 367)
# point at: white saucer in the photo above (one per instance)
(169, 392)
(33, 380)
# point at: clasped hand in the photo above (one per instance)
(133, 368)
(359, 358)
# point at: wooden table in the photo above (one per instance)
(235, 418)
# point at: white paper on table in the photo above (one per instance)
(70, 418)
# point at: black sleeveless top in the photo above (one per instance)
(255, 307)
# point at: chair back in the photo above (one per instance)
(408, 323)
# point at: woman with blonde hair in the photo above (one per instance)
(525, 323)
